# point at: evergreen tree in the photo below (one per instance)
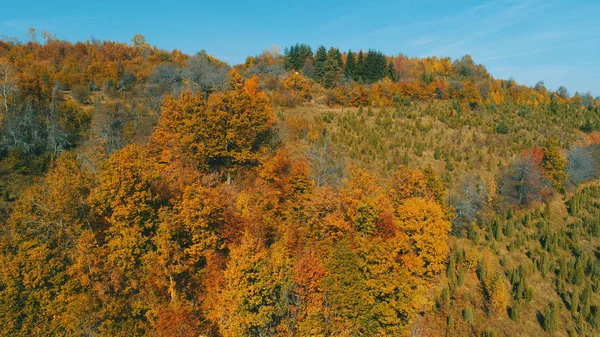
(391, 72)
(575, 300)
(468, 314)
(332, 69)
(289, 59)
(335, 54)
(295, 56)
(554, 163)
(551, 318)
(350, 68)
(359, 73)
(319, 63)
(375, 66)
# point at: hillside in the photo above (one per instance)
(153, 193)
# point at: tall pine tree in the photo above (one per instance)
(319, 63)
(350, 68)
(296, 55)
(360, 67)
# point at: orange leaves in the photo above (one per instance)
(174, 140)
(126, 189)
(288, 178)
(226, 132)
(178, 320)
(412, 89)
(308, 272)
(236, 81)
(191, 228)
(299, 85)
(495, 97)
(536, 155)
(358, 96)
(238, 122)
(594, 138)
(408, 183)
(470, 93)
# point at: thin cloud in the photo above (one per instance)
(537, 51)
(421, 41)
(492, 24)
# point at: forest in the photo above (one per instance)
(146, 192)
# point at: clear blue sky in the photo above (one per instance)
(554, 41)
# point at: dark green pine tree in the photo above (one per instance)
(375, 67)
(304, 53)
(359, 73)
(335, 54)
(319, 63)
(391, 72)
(296, 55)
(289, 57)
(331, 71)
(350, 64)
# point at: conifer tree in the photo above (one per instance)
(319, 64)
(391, 72)
(551, 318)
(335, 54)
(331, 70)
(350, 68)
(296, 55)
(359, 73)
(554, 163)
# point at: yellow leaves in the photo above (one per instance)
(299, 85)
(227, 131)
(239, 121)
(361, 198)
(425, 224)
(469, 93)
(497, 293)
(236, 81)
(360, 184)
(554, 163)
(252, 283)
(61, 197)
(495, 97)
(193, 224)
(126, 189)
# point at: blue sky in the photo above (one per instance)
(556, 41)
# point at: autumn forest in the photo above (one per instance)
(310, 191)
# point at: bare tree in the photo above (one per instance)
(32, 33)
(56, 137)
(21, 130)
(7, 84)
(206, 73)
(472, 197)
(582, 165)
(524, 183)
(562, 92)
(326, 162)
(48, 36)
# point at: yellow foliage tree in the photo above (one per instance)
(425, 224)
